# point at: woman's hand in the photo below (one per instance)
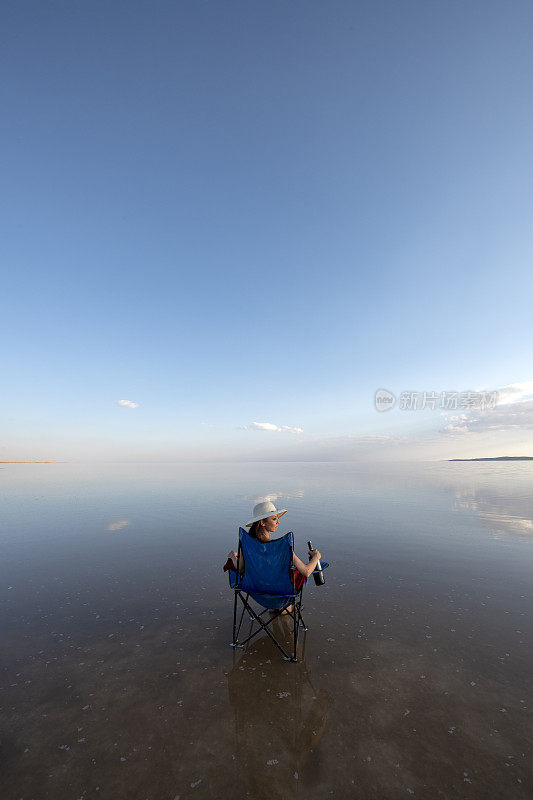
(234, 556)
(307, 569)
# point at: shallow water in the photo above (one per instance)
(117, 679)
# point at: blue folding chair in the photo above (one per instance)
(268, 579)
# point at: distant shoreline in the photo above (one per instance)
(498, 458)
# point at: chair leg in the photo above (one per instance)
(263, 626)
(297, 619)
(239, 626)
(301, 619)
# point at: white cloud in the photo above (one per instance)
(457, 423)
(513, 410)
(269, 426)
(515, 392)
(264, 426)
(452, 428)
(127, 404)
(510, 416)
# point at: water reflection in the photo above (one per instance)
(503, 514)
(118, 525)
(503, 524)
(294, 494)
(280, 718)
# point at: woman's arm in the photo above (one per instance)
(233, 555)
(306, 569)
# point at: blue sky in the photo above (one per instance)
(237, 213)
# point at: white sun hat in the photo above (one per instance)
(264, 510)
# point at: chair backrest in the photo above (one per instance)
(267, 564)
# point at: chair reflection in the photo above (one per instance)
(280, 718)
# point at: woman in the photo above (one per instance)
(264, 522)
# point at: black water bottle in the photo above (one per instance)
(318, 573)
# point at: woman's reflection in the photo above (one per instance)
(280, 717)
